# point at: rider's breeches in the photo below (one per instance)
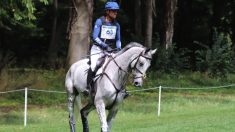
(96, 53)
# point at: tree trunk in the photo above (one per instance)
(137, 19)
(53, 47)
(79, 32)
(219, 9)
(149, 23)
(170, 8)
(233, 26)
(183, 31)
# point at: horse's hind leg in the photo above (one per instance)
(84, 113)
(71, 98)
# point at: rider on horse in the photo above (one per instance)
(106, 33)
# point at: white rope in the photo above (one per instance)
(11, 91)
(200, 88)
(48, 91)
(192, 88)
(140, 90)
(130, 91)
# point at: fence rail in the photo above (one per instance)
(131, 91)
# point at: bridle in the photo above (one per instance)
(143, 75)
(137, 58)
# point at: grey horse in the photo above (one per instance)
(109, 83)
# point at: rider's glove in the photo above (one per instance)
(104, 46)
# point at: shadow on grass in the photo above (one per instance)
(14, 118)
(11, 119)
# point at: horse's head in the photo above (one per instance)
(140, 65)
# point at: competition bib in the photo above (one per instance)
(108, 32)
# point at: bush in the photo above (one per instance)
(218, 60)
(171, 60)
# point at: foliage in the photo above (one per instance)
(172, 60)
(17, 12)
(187, 79)
(218, 60)
(34, 79)
(54, 80)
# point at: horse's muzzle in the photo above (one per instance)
(137, 84)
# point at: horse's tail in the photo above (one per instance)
(69, 81)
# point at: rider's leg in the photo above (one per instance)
(90, 76)
(95, 54)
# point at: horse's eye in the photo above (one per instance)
(141, 64)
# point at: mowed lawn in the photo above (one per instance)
(189, 112)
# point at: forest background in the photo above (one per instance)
(192, 35)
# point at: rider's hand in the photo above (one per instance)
(104, 46)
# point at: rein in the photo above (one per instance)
(117, 89)
(120, 68)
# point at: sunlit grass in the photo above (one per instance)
(179, 112)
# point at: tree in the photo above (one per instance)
(149, 23)
(233, 26)
(170, 8)
(183, 24)
(79, 30)
(17, 13)
(219, 9)
(16, 16)
(53, 46)
(137, 19)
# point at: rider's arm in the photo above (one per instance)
(118, 38)
(96, 32)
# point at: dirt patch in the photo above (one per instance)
(6, 109)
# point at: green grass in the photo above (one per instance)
(179, 112)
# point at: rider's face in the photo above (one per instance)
(112, 13)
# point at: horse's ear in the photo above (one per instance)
(147, 50)
(153, 51)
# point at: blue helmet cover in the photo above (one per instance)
(111, 6)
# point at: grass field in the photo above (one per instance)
(180, 112)
(211, 110)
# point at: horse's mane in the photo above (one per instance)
(128, 46)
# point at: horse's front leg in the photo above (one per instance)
(71, 98)
(111, 116)
(100, 108)
(84, 113)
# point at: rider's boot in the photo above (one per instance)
(90, 82)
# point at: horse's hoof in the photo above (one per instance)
(126, 95)
(72, 128)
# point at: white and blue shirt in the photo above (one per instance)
(106, 33)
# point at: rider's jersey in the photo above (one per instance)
(106, 32)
